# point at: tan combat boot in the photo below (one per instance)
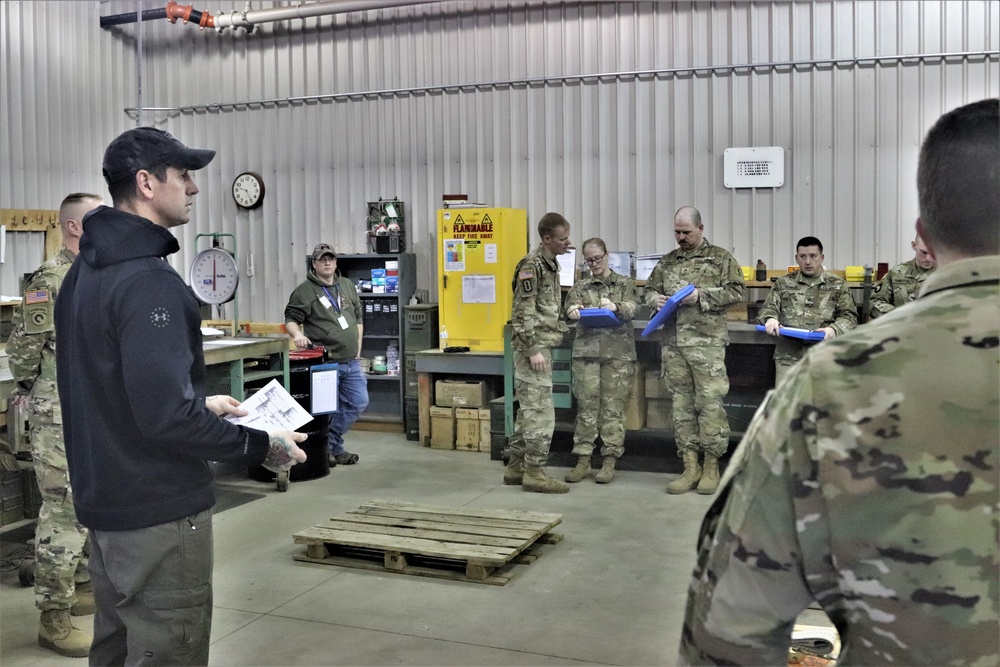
(84, 605)
(607, 471)
(581, 471)
(709, 475)
(537, 480)
(57, 633)
(514, 472)
(692, 473)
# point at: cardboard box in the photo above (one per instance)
(460, 394)
(467, 429)
(654, 385)
(635, 409)
(442, 427)
(484, 429)
(659, 414)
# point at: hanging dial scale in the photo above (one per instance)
(214, 276)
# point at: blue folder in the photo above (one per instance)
(594, 318)
(669, 308)
(792, 332)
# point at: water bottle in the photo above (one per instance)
(444, 337)
(392, 359)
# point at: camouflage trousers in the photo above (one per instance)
(787, 353)
(60, 563)
(536, 416)
(697, 380)
(602, 389)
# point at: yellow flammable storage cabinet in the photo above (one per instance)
(477, 253)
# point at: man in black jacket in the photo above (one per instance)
(138, 426)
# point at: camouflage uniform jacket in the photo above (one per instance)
(811, 303)
(32, 343)
(867, 482)
(719, 279)
(535, 314)
(610, 343)
(898, 287)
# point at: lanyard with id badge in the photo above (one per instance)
(329, 302)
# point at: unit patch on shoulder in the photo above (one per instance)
(526, 277)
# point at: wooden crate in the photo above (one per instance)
(454, 543)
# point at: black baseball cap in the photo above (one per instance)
(145, 147)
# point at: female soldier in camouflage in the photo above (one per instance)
(603, 363)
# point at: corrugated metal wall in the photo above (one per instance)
(494, 106)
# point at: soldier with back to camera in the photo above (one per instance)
(868, 481)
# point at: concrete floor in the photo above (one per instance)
(612, 592)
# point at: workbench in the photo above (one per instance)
(232, 363)
(748, 362)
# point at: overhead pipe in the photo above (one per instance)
(572, 78)
(188, 14)
(133, 17)
(171, 12)
(249, 18)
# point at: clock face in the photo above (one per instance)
(248, 190)
(214, 276)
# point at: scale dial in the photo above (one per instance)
(214, 276)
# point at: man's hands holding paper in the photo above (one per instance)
(282, 452)
(273, 410)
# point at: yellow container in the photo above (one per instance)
(854, 274)
(747, 272)
(478, 250)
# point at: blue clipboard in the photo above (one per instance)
(669, 308)
(792, 332)
(598, 318)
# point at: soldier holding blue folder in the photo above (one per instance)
(603, 362)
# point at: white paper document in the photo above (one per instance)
(271, 409)
(479, 289)
(567, 268)
(323, 382)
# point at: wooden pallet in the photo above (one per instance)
(428, 541)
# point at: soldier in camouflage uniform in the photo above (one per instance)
(537, 327)
(693, 346)
(603, 363)
(62, 584)
(900, 285)
(811, 298)
(868, 481)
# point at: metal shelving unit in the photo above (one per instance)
(385, 392)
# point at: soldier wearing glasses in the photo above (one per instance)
(603, 363)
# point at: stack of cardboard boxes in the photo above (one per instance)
(460, 418)
(659, 407)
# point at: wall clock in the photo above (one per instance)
(248, 190)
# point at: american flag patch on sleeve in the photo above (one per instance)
(38, 296)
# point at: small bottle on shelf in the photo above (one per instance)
(761, 274)
(444, 337)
